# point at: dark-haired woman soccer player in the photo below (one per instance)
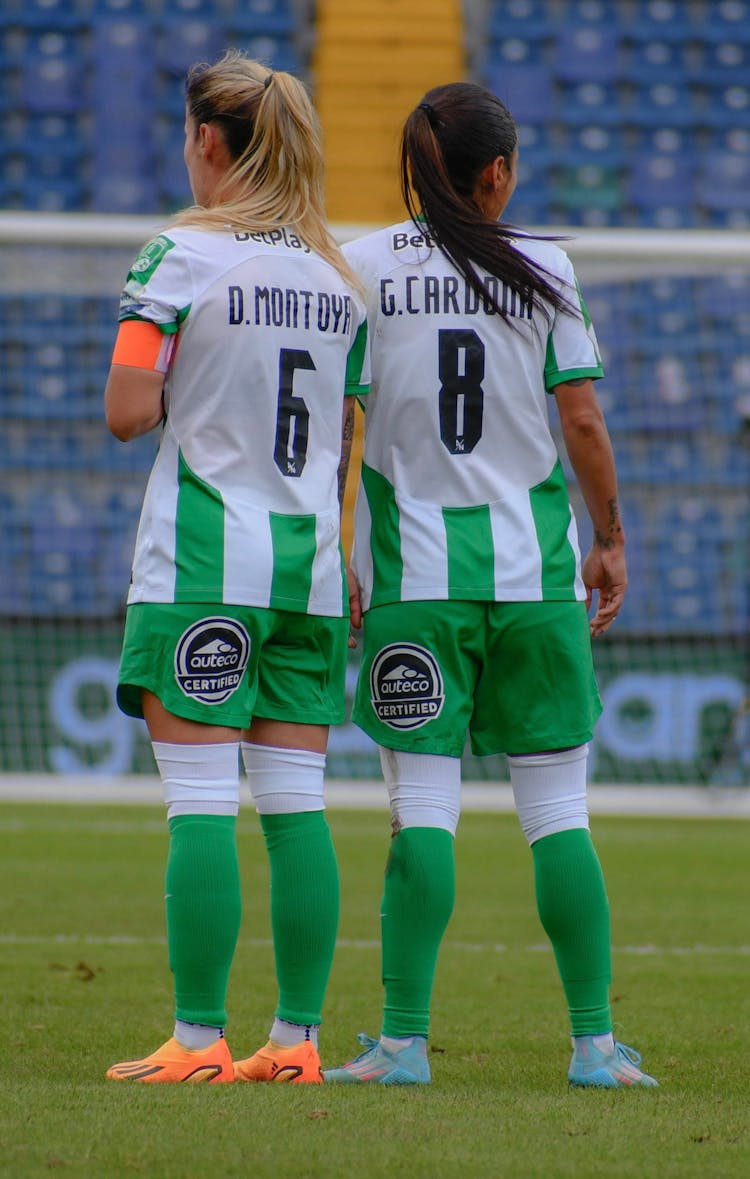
(474, 597)
(241, 330)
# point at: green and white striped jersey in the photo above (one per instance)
(242, 502)
(463, 493)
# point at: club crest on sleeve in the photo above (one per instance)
(406, 686)
(149, 258)
(210, 659)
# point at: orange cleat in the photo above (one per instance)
(172, 1064)
(298, 1065)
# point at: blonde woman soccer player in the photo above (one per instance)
(465, 550)
(240, 334)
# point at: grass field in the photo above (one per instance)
(85, 982)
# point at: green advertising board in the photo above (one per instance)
(674, 710)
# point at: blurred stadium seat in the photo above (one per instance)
(527, 19)
(590, 193)
(722, 63)
(594, 144)
(517, 51)
(536, 144)
(727, 106)
(123, 90)
(621, 86)
(719, 300)
(258, 17)
(171, 176)
(279, 52)
(525, 89)
(662, 190)
(123, 61)
(55, 15)
(663, 103)
(653, 61)
(687, 563)
(588, 53)
(53, 83)
(180, 43)
(583, 103)
(724, 181)
(43, 195)
(729, 21)
(669, 20)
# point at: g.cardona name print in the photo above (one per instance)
(432, 294)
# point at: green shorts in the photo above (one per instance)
(223, 665)
(517, 676)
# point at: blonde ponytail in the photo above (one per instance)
(274, 137)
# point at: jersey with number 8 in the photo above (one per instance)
(463, 494)
(242, 503)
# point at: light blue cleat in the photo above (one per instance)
(590, 1067)
(382, 1066)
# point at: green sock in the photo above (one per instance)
(574, 911)
(420, 889)
(304, 910)
(204, 909)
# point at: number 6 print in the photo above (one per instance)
(292, 416)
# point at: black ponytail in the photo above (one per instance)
(448, 139)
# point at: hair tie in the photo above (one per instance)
(268, 79)
(431, 113)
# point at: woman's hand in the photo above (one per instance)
(355, 604)
(605, 570)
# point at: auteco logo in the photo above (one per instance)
(210, 659)
(406, 686)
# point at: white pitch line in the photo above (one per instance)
(86, 939)
(667, 801)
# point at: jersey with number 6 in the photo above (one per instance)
(463, 494)
(242, 503)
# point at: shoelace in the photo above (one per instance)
(367, 1043)
(629, 1053)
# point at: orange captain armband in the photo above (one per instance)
(141, 344)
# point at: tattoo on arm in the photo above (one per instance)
(347, 435)
(608, 538)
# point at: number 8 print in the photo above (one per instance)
(461, 369)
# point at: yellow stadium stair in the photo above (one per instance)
(373, 61)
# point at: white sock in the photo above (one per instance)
(396, 1043)
(603, 1043)
(286, 1035)
(196, 1036)
(284, 781)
